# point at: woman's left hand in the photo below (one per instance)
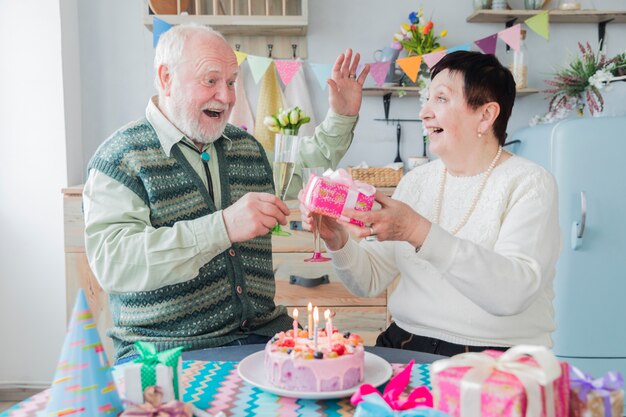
(394, 221)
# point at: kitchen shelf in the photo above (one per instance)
(414, 91)
(241, 25)
(381, 91)
(555, 16)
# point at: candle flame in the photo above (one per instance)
(310, 307)
(327, 314)
(295, 313)
(316, 315)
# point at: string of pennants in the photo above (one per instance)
(287, 68)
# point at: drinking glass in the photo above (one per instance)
(285, 152)
(317, 218)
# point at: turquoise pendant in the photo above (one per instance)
(205, 156)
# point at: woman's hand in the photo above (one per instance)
(394, 221)
(335, 235)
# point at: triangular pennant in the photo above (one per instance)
(83, 382)
(258, 66)
(241, 56)
(287, 68)
(488, 44)
(378, 71)
(432, 58)
(540, 24)
(410, 66)
(159, 27)
(512, 36)
(322, 73)
(464, 47)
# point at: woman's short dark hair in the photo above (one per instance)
(486, 79)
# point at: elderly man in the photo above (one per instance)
(178, 205)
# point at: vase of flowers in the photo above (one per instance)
(580, 86)
(418, 37)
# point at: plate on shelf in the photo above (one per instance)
(252, 370)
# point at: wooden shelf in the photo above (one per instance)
(241, 25)
(414, 91)
(526, 92)
(555, 16)
(381, 91)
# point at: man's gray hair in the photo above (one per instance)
(169, 50)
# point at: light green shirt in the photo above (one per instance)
(127, 254)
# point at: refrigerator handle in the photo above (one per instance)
(578, 228)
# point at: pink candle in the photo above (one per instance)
(329, 329)
(295, 324)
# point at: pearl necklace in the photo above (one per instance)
(468, 214)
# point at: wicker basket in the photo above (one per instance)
(378, 177)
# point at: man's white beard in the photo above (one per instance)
(190, 126)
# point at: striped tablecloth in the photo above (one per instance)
(216, 386)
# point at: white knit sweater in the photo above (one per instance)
(491, 284)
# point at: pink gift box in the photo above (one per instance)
(501, 393)
(329, 194)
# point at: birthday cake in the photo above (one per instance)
(293, 363)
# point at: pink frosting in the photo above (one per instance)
(293, 372)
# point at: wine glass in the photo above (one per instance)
(317, 218)
(285, 151)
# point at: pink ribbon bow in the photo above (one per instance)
(341, 176)
(419, 397)
(171, 409)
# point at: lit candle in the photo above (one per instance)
(329, 329)
(310, 328)
(316, 320)
(295, 324)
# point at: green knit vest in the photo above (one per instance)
(205, 311)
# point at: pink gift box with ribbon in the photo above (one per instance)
(330, 193)
(525, 381)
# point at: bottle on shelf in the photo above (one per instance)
(519, 66)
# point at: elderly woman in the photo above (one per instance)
(473, 236)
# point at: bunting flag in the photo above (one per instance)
(488, 44)
(432, 58)
(410, 66)
(322, 73)
(159, 27)
(540, 24)
(464, 47)
(83, 382)
(287, 68)
(241, 115)
(378, 71)
(241, 56)
(270, 101)
(258, 66)
(512, 36)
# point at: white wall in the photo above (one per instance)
(34, 169)
(115, 72)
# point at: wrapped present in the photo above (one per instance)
(330, 193)
(600, 397)
(523, 381)
(370, 403)
(162, 369)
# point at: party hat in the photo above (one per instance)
(83, 384)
